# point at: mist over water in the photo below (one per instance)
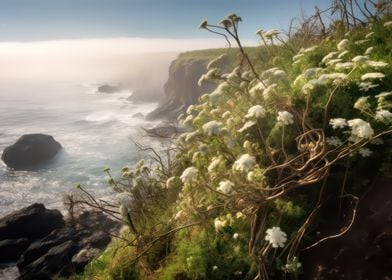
(50, 87)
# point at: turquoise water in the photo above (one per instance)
(96, 130)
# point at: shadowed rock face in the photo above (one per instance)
(182, 89)
(30, 150)
(365, 251)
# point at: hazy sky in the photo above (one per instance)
(37, 20)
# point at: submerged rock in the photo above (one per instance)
(109, 89)
(163, 131)
(30, 150)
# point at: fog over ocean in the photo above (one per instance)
(51, 88)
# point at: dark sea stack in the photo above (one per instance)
(32, 222)
(108, 89)
(30, 150)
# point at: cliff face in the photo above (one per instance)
(181, 89)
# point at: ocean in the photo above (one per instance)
(96, 130)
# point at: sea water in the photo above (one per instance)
(96, 130)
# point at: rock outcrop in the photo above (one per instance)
(45, 246)
(32, 222)
(182, 89)
(109, 89)
(30, 150)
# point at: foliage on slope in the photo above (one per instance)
(264, 152)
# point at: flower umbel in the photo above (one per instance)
(285, 117)
(276, 237)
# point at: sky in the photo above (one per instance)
(41, 20)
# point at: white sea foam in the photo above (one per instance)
(95, 131)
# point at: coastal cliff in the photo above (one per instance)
(181, 88)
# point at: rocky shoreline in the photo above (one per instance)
(44, 244)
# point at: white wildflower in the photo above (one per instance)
(246, 126)
(310, 49)
(376, 64)
(188, 121)
(276, 237)
(384, 115)
(212, 128)
(239, 215)
(230, 142)
(216, 163)
(344, 66)
(256, 111)
(365, 152)
(362, 103)
(269, 73)
(360, 129)
(191, 135)
(342, 54)
(215, 97)
(311, 72)
(298, 56)
(343, 44)
(338, 123)
(332, 77)
(285, 117)
(225, 187)
(370, 34)
(213, 63)
(269, 91)
(384, 94)
(361, 42)
(333, 61)
(235, 235)
(279, 74)
(328, 57)
(226, 114)
(360, 60)
(372, 76)
(365, 86)
(215, 267)
(179, 215)
(257, 89)
(310, 86)
(268, 35)
(388, 23)
(369, 50)
(219, 224)
(244, 163)
(334, 141)
(189, 175)
(171, 182)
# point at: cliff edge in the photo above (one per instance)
(181, 88)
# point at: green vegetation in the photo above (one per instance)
(289, 128)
